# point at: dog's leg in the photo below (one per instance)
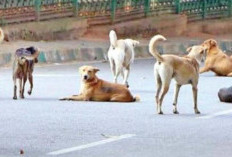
(20, 87)
(204, 69)
(195, 90)
(31, 83)
(75, 98)
(229, 75)
(158, 88)
(122, 73)
(112, 66)
(23, 86)
(15, 88)
(118, 70)
(127, 71)
(165, 76)
(207, 66)
(177, 89)
(122, 98)
(163, 93)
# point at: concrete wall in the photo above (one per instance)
(60, 29)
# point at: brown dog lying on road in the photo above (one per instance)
(216, 60)
(95, 89)
(23, 68)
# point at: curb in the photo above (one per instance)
(61, 56)
(79, 54)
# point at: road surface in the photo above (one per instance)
(42, 126)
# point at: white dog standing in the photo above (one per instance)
(121, 55)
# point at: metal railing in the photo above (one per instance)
(14, 11)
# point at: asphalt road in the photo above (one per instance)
(42, 126)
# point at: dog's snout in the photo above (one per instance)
(85, 77)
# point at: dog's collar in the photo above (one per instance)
(92, 82)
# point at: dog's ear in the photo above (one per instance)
(96, 69)
(31, 49)
(213, 42)
(189, 49)
(135, 43)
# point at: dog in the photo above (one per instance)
(23, 66)
(95, 89)
(1, 35)
(184, 70)
(216, 60)
(121, 55)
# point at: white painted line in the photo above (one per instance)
(94, 144)
(215, 114)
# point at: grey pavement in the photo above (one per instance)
(41, 124)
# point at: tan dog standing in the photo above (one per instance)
(216, 60)
(95, 89)
(184, 70)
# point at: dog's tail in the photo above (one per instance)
(152, 46)
(136, 98)
(113, 38)
(1, 35)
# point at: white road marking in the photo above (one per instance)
(94, 144)
(215, 114)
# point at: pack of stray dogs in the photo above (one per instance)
(183, 69)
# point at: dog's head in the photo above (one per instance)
(34, 51)
(208, 44)
(88, 73)
(133, 43)
(197, 51)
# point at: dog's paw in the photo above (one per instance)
(63, 99)
(127, 85)
(197, 112)
(29, 92)
(15, 97)
(175, 112)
